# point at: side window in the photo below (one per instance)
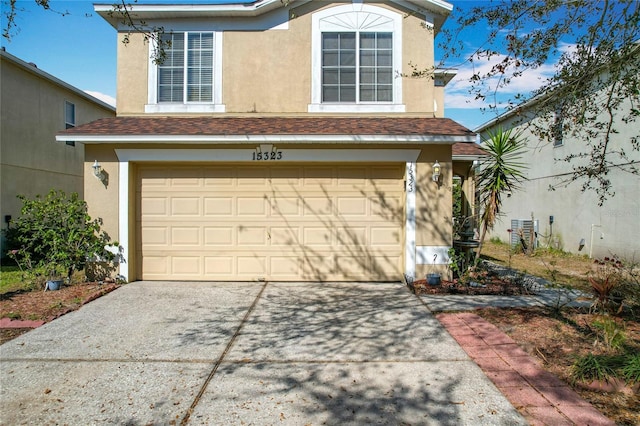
(69, 115)
(557, 129)
(69, 118)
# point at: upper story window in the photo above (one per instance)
(357, 67)
(190, 77)
(356, 52)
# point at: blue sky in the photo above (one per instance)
(80, 49)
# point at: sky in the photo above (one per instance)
(80, 49)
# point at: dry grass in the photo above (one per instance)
(563, 269)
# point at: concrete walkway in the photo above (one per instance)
(248, 353)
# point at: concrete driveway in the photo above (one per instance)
(247, 353)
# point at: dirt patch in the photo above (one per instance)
(47, 305)
(557, 339)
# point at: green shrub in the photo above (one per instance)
(55, 236)
(631, 369)
(592, 367)
(610, 332)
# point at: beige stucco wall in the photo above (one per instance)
(33, 111)
(132, 75)
(433, 204)
(270, 71)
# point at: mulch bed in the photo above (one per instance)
(37, 307)
(492, 286)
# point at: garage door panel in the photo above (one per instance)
(318, 268)
(252, 266)
(286, 207)
(251, 206)
(155, 265)
(386, 237)
(285, 267)
(284, 236)
(352, 266)
(317, 236)
(386, 207)
(252, 176)
(317, 206)
(219, 236)
(251, 236)
(186, 265)
(352, 236)
(185, 236)
(219, 266)
(352, 206)
(381, 265)
(185, 206)
(277, 222)
(155, 206)
(155, 236)
(218, 206)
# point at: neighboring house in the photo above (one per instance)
(568, 218)
(277, 142)
(35, 106)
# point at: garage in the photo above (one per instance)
(245, 222)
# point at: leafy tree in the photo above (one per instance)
(596, 83)
(55, 235)
(501, 172)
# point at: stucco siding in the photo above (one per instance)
(33, 111)
(270, 71)
(612, 228)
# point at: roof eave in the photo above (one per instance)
(235, 139)
(146, 12)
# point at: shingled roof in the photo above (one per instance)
(307, 126)
(469, 150)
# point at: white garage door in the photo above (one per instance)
(280, 223)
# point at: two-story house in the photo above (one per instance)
(277, 141)
(35, 106)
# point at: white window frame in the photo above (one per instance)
(356, 17)
(153, 106)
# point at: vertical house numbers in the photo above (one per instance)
(411, 178)
(266, 153)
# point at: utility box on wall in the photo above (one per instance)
(528, 227)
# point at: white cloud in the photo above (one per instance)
(104, 98)
(457, 91)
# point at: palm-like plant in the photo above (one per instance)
(501, 172)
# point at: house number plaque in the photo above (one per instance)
(266, 153)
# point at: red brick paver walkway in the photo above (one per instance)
(11, 323)
(540, 396)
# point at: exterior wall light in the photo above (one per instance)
(97, 171)
(436, 171)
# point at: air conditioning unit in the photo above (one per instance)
(528, 226)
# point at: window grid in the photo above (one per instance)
(186, 74)
(362, 60)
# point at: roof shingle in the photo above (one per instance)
(308, 126)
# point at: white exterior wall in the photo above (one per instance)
(613, 228)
